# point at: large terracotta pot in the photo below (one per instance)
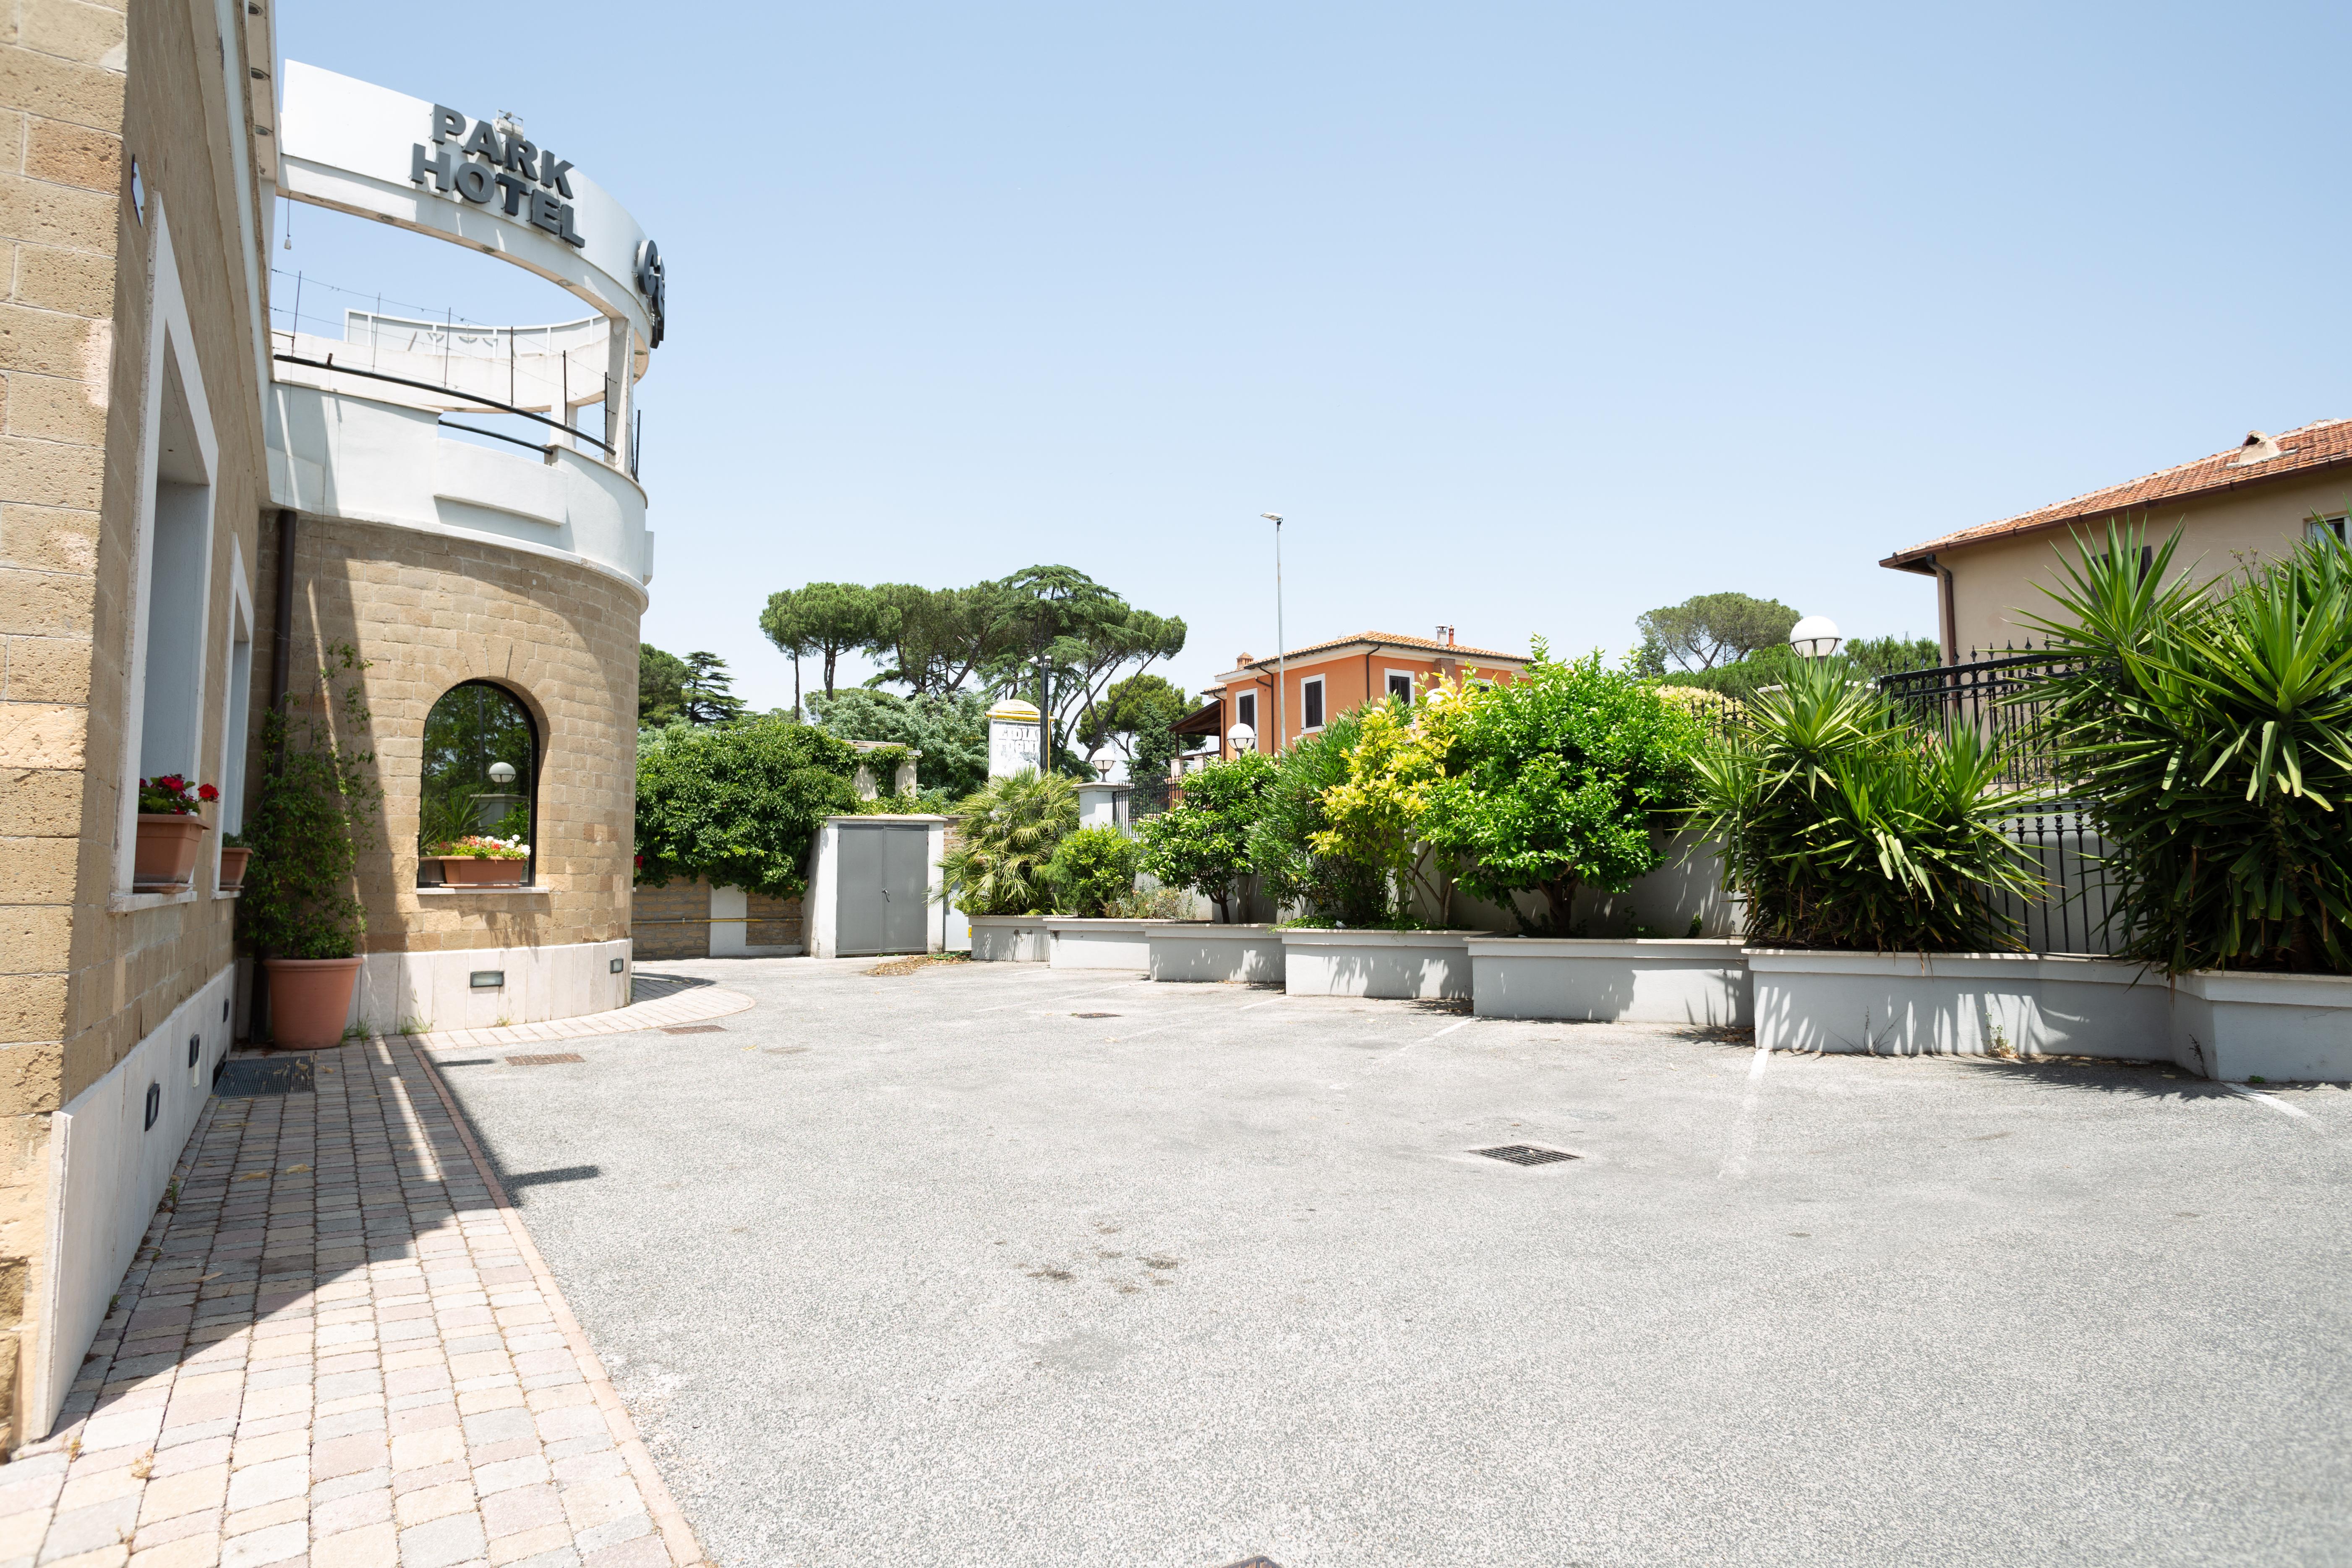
(165, 857)
(310, 999)
(473, 871)
(232, 871)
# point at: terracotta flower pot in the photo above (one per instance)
(232, 869)
(309, 1000)
(475, 871)
(165, 857)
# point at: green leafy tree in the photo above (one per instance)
(1327, 889)
(950, 730)
(1005, 833)
(1564, 778)
(1092, 870)
(934, 640)
(2211, 732)
(1844, 827)
(1202, 842)
(1708, 630)
(823, 620)
(1131, 710)
(661, 687)
(315, 794)
(707, 697)
(1082, 635)
(739, 805)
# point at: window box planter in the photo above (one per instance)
(1966, 1003)
(1389, 963)
(1073, 942)
(1668, 979)
(2286, 1028)
(310, 1001)
(1191, 951)
(477, 871)
(232, 867)
(1009, 939)
(164, 857)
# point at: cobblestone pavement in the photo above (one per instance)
(337, 1347)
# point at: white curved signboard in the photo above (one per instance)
(364, 149)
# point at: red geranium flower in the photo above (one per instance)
(206, 792)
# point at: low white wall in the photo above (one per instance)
(2284, 1028)
(107, 1170)
(1197, 952)
(1902, 1003)
(1687, 887)
(409, 990)
(730, 928)
(1077, 944)
(1648, 981)
(1391, 964)
(1009, 939)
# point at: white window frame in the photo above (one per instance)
(1386, 675)
(1250, 718)
(170, 332)
(236, 702)
(1323, 696)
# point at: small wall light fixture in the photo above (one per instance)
(487, 979)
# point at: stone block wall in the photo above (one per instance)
(86, 89)
(675, 922)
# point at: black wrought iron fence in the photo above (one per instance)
(1995, 697)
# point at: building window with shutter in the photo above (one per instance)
(1310, 702)
(1400, 686)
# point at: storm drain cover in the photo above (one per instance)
(244, 1078)
(696, 1029)
(1525, 1154)
(547, 1058)
(1093, 1015)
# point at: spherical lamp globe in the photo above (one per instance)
(1815, 637)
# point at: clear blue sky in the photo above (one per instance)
(1530, 318)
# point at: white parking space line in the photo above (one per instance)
(1451, 1027)
(2275, 1103)
(1743, 1132)
(1256, 1005)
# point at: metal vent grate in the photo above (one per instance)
(1524, 1154)
(547, 1058)
(245, 1078)
(696, 1029)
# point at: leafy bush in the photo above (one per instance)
(1562, 778)
(1843, 828)
(1005, 832)
(1093, 869)
(951, 732)
(298, 899)
(739, 806)
(1374, 814)
(1203, 841)
(2212, 734)
(1329, 888)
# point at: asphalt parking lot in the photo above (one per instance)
(996, 1264)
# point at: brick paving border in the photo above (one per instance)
(669, 1000)
(338, 1347)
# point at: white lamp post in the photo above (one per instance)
(1242, 738)
(1815, 637)
(502, 773)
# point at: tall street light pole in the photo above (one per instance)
(1281, 647)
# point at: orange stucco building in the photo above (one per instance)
(1330, 678)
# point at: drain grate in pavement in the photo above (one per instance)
(1093, 1015)
(696, 1029)
(547, 1058)
(1524, 1154)
(246, 1078)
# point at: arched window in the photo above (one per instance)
(479, 778)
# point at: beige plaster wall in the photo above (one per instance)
(84, 976)
(1993, 583)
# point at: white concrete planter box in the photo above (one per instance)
(1698, 979)
(1391, 964)
(2284, 1028)
(1009, 939)
(1907, 1003)
(1076, 942)
(1189, 951)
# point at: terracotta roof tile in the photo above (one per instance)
(2320, 444)
(1396, 640)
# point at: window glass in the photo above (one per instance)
(1245, 710)
(1401, 687)
(1311, 700)
(479, 777)
(2329, 528)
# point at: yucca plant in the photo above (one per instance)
(2209, 730)
(1006, 831)
(1843, 826)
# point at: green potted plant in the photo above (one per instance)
(299, 911)
(479, 860)
(235, 854)
(164, 857)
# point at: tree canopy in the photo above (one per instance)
(1203, 841)
(739, 805)
(950, 730)
(706, 694)
(823, 620)
(661, 687)
(1709, 629)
